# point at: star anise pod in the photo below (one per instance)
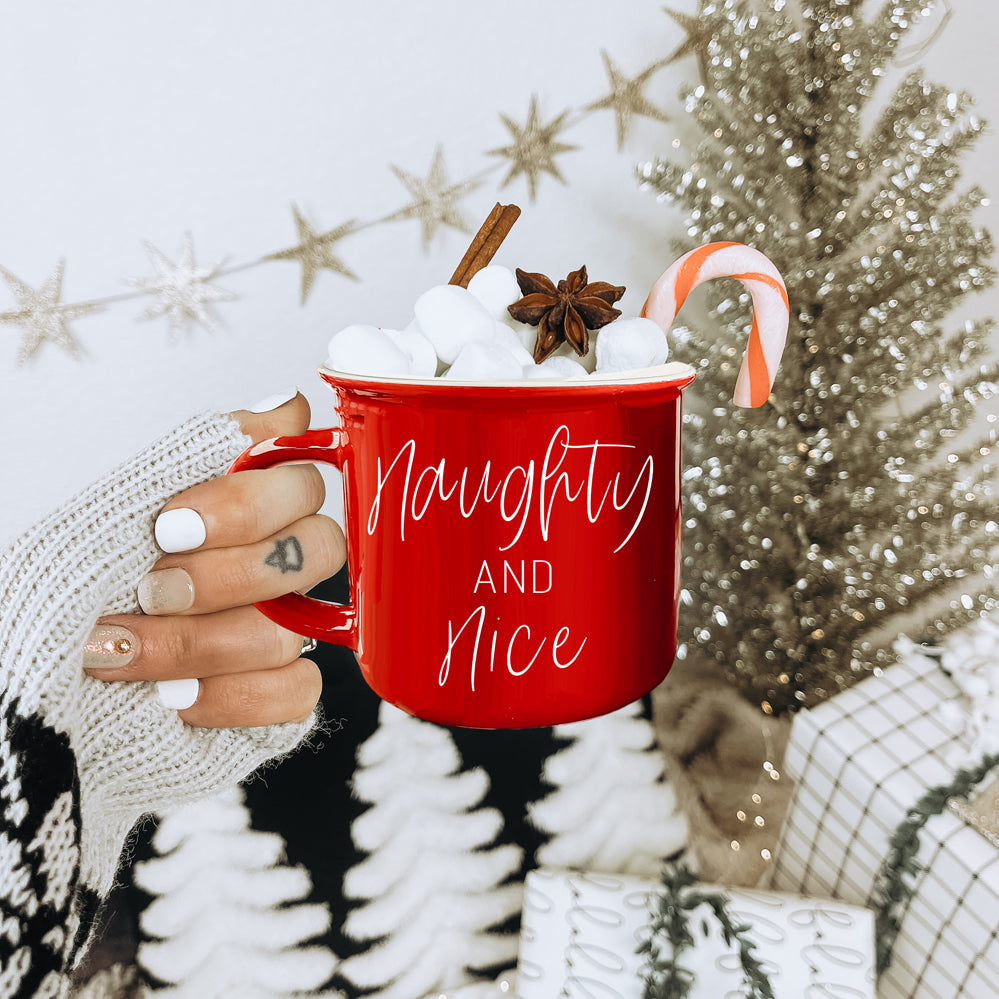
(566, 312)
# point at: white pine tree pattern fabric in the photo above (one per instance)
(116, 982)
(504, 987)
(228, 919)
(435, 890)
(40, 912)
(611, 809)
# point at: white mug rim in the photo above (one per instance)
(671, 371)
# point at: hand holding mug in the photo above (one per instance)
(228, 544)
(512, 550)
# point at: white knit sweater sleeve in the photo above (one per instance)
(82, 760)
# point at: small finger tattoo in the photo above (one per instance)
(287, 555)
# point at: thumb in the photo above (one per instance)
(284, 415)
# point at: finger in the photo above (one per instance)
(129, 647)
(183, 525)
(239, 508)
(297, 558)
(284, 420)
(265, 697)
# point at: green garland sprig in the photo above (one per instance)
(892, 892)
(670, 936)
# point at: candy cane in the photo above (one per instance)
(771, 313)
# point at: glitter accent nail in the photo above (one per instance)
(166, 591)
(109, 646)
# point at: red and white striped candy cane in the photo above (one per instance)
(771, 313)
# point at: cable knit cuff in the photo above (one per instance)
(133, 755)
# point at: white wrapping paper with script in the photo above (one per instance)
(580, 934)
(859, 762)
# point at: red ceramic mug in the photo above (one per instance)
(513, 550)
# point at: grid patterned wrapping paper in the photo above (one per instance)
(580, 935)
(859, 762)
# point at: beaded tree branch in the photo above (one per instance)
(810, 526)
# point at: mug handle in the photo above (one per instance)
(318, 619)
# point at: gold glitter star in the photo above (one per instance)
(42, 316)
(700, 32)
(182, 290)
(534, 148)
(315, 251)
(626, 97)
(434, 198)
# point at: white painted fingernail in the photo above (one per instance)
(178, 694)
(273, 401)
(180, 530)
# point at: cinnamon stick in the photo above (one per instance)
(485, 243)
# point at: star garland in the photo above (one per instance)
(435, 199)
(315, 251)
(627, 97)
(534, 148)
(185, 293)
(700, 32)
(41, 315)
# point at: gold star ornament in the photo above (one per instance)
(315, 251)
(41, 315)
(534, 148)
(626, 97)
(182, 290)
(435, 198)
(700, 33)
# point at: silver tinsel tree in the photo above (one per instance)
(811, 523)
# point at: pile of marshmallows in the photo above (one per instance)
(468, 335)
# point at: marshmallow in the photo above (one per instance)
(367, 350)
(506, 337)
(627, 344)
(588, 360)
(496, 288)
(483, 361)
(526, 333)
(419, 350)
(450, 317)
(556, 367)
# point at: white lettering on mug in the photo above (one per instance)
(514, 579)
(519, 647)
(561, 638)
(509, 651)
(452, 638)
(485, 578)
(519, 490)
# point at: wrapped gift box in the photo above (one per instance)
(580, 935)
(859, 762)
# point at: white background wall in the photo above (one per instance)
(126, 123)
